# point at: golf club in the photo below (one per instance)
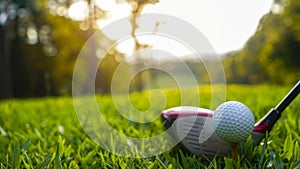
(193, 126)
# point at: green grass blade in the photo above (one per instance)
(162, 164)
(288, 147)
(57, 160)
(228, 163)
(297, 165)
(26, 145)
(297, 150)
(15, 159)
(248, 148)
(44, 163)
(278, 162)
(263, 153)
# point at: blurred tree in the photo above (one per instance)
(92, 12)
(272, 53)
(40, 42)
(137, 7)
(45, 43)
(32, 50)
(68, 39)
(29, 63)
(7, 16)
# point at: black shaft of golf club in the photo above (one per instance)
(274, 114)
(288, 98)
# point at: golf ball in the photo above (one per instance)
(233, 121)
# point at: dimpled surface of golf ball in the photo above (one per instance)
(233, 121)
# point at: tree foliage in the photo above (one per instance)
(44, 50)
(41, 47)
(272, 53)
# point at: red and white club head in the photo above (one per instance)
(193, 127)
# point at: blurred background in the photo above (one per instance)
(41, 40)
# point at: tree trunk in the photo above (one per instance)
(5, 64)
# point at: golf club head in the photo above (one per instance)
(192, 126)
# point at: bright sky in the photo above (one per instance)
(226, 24)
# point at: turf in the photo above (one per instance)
(45, 133)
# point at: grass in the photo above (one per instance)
(45, 133)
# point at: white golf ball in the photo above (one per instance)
(233, 121)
